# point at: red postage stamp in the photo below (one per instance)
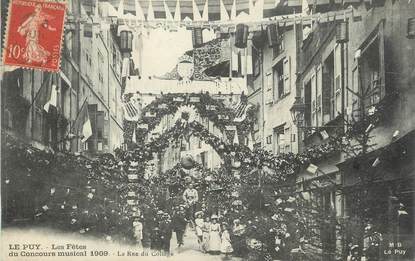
(34, 34)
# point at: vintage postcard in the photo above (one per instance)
(241, 130)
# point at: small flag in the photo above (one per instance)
(324, 135)
(305, 9)
(369, 128)
(84, 123)
(132, 110)
(235, 138)
(177, 14)
(169, 17)
(134, 139)
(125, 67)
(224, 16)
(312, 168)
(121, 9)
(402, 212)
(233, 10)
(150, 12)
(139, 11)
(376, 162)
(205, 16)
(53, 98)
(196, 13)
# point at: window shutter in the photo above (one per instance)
(326, 78)
(287, 73)
(269, 90)
(337, 79)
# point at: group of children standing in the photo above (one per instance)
(213, 238)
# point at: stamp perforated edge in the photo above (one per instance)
(6, 39)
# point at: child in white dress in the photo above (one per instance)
(199, 223)
(225, 245)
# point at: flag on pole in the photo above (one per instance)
(132, 110)
(233, 10)
(205, 16)
(235, 138)
(121, 9)
(134, 138)
(53, 98)
(177, 14)
(196, 13)
(83, 122)
(224, 16)
(312, 168)
(169, 17)
(139, 11)
(125, 70)
(150, 13)
(50, 94)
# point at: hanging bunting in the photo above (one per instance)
(233, 10)
(205, 16)
(169, 17)
(96, 9)
(243, 61)
(177, 14)
(139, 11)
(249, 68)
(121, 9)
(235, 60)
(251, 8)
(150, 13)
(196, 13)
(224, 16)
(258, 13)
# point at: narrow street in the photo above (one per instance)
(50, 241)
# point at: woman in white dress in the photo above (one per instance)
(214, 236)
(205, 229)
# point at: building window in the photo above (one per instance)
(281, 78)
(269, 139)
(327, 88)
(278, 48)
(278, 146)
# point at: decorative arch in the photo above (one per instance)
(206, 106)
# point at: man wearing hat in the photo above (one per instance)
(190, 197)
(165, 233)
(179, 223)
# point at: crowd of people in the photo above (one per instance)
(214, 234)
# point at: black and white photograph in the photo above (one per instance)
(211, 130)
